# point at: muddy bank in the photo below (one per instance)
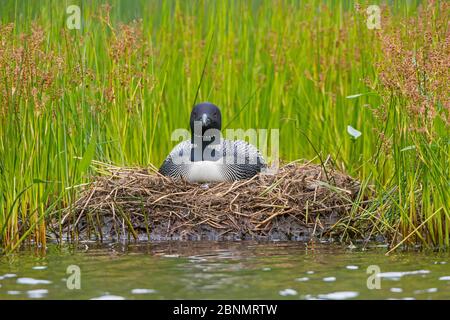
(300, 202)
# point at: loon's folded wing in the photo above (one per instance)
(242, 160)
(175, 165)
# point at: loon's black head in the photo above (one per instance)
(208, 115)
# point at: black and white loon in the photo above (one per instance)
(209, 158)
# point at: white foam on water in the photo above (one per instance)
(266, 269)
(143, 291)
(339, 295)
(108, 297)
(13, 292)
(37, 294)
(329, 279)
(287, 292)
(396, 290)
(445, 278)
(32, 281)
(310, 272)
(9, 275)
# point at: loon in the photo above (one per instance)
(206, 157)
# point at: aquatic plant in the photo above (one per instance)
(414, 69)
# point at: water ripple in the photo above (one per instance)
(329, 279)
(302, 279)
(37, 294)
(143, 291)
(287, 292)
(339, 295)
(108, 297)
(39, 267)
(32, 281)
(398, 275)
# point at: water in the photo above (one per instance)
(221, 270)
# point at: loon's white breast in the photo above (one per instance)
(237, 160)
(205, 171)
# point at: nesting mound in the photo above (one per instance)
(297, 203)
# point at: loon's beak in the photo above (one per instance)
(205, 120)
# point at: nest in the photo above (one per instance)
(299, 202)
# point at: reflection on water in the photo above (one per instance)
(224, 270)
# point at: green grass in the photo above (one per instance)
(115, 93)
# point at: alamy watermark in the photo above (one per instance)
(374, 280)
(373, 17)
(73, 281)
(73, 21)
